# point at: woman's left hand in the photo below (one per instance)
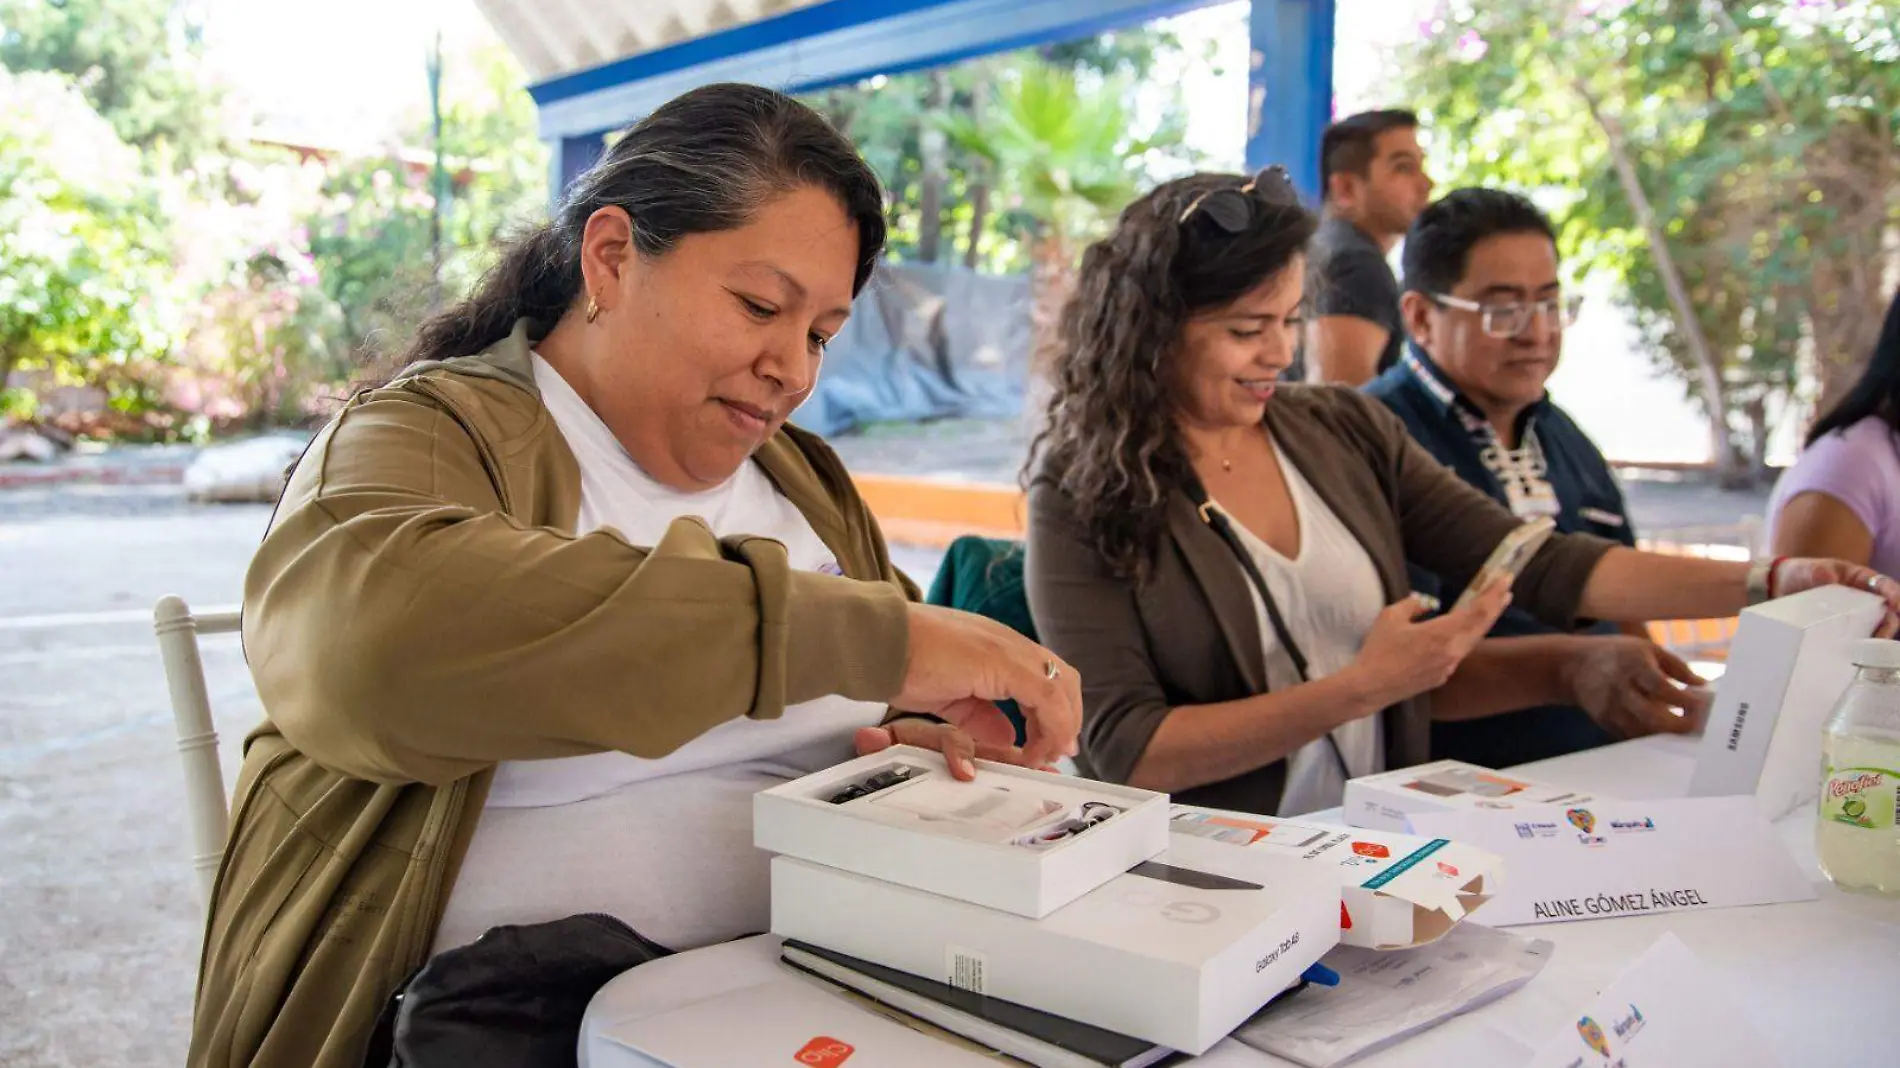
(982, 738)
(1799, 574)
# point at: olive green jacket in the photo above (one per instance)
(421, 609)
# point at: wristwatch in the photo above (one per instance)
(1761, 580)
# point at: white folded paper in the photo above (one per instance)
(1628, 858)
(1385, 997)
(1667, 1011)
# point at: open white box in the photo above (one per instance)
(1386, 800)
(900, 833)
(1396, 890)
(1179, 951)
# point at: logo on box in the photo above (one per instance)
(1593, 1036)
(825, 1052)
(1582, 820)
(1536, 830)
(1189, 912)
(1371, 849)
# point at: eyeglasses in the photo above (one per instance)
(1235, 210)
(1509, 320)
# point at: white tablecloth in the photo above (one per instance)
(1817, 978)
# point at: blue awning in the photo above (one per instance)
(602, 65)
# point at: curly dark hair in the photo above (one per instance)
(1110, 442)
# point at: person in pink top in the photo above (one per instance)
(1841, 499)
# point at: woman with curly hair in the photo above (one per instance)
(1224, 559)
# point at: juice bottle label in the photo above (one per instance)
(1861, 797)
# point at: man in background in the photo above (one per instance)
(1373, 181)
(1486, 311)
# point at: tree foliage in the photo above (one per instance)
(205, 280)
(135, 61)
(1733, 166)
(83, 253)
(1029, 147)
(372, 240)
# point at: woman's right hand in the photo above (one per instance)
(1402, 657)
(961, 664)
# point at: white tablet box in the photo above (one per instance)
(1386, 800)
(882, 836)
(1178, 952)
(1397, 891)
(1787, 667)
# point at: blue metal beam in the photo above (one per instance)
(825, 44)
(1290, 87)
(571, 156)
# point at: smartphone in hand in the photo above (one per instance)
(1510, 557)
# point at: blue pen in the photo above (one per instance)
(1320, 975)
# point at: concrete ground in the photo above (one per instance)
(100, 926)
(99, 919)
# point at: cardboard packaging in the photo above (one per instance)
(1786, 668)
(998, 841)
(1397, 891)
(1385, 801)
(1179, 951)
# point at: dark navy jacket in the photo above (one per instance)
(1587, 499)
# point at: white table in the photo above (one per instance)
(1795, 967)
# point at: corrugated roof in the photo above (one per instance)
(552, 38)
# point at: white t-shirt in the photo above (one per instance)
(665, 845)
(1329, 596)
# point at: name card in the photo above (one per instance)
(1627, 858)
(1667, 1011)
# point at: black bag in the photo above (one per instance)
(513, 998)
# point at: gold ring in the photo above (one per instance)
(1050, 671)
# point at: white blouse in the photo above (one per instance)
(664, 845)
(1329, 595)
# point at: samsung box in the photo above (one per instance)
(1787, 667)
(1023, 841)
(1396, 891)
(1386, 800)
(1179, 951)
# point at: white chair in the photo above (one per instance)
(206, 807)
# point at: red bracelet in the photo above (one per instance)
(1774, 568)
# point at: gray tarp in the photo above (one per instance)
(926, 342)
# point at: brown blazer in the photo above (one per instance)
(1188, 634)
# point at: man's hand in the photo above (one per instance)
(1633, 687)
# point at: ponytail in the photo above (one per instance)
(702, 162)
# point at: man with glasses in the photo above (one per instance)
(1486, 311)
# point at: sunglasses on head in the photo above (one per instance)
(1236, 210)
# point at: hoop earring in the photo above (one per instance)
(593, 308)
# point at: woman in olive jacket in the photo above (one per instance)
(534, 621)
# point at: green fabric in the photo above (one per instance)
(985, 576)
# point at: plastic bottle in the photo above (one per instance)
(1857, 836)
